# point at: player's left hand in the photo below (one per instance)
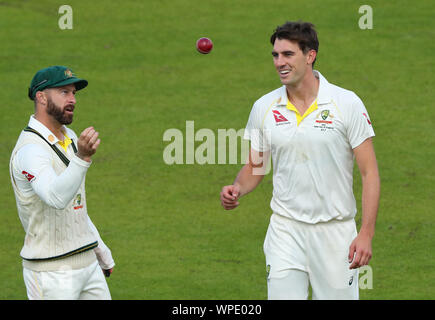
(87, 144)
(360, 251)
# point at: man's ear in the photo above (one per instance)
(311, 56)
(41, 97)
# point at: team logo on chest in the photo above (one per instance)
(324, 120)
(78, 202)
(324, 114)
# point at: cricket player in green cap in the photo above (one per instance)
(63, 254)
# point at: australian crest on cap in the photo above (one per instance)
(68, 73)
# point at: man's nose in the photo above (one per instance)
(72, 98)
(279, 61)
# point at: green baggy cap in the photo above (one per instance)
(54, 76)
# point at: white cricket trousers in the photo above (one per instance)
(82, 284)
(299, 255)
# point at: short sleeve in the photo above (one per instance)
(359, 125)
(255, 132)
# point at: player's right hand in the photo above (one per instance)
(87, 144)
(230, 196)
(107, 272)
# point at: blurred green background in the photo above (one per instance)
(168, 234)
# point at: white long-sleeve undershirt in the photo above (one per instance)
(55, 190)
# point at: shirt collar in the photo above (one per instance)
(323, 95)
(43, 130)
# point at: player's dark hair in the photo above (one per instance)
(301, 32)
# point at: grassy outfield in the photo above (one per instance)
(168, 234)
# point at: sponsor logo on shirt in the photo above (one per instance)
(28, 176)
(367, 118)
(279, 118)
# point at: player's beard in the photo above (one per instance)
(58, 113)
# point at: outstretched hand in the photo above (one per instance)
(87, 144)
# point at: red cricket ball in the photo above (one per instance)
(204, 45)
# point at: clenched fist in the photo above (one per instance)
(230, 196)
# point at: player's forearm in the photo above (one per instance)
(103, 253)
(370, 202)
(247, 179)
(58, 191)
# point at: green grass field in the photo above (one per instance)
(168, 234)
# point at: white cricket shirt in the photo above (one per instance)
(33, 171)
(51, 201)
(312, 160)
